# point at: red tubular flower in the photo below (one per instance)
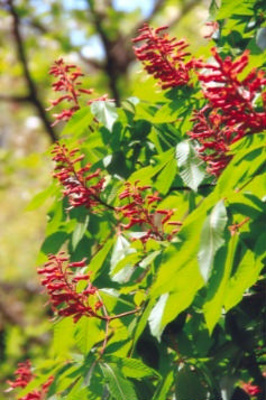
(141, 210)
(61, 285)
(24, 375)
(75, 180)
(231, 112)
(69, 83)
(163, 57)
(250, 389)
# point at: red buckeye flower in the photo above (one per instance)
(68, 82)
(231, 111)
(142, 210)
(250, 389)
(164, 57)
(76, 181)
(61, 282)
(24, 375)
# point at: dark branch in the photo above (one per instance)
(111, 64)
(91, 62)
(15, 98)
(21, 53)
(188, 189)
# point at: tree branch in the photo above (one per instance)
(15, 98)
(158, 5)
(94, 63)
(111, 65)
(21, 53)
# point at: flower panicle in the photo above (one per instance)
(24, 376)
(231, 111)
(77, 180)
(163, 57)
(142, 210)
(61, 283)
(69, 83)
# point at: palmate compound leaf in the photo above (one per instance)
(105, 112)
(190, 166)
(211, 238)
(119, 387)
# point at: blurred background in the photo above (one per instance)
(95, 35)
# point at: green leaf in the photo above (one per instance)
(63, 339)
(145, 174)
(40, 198)
(190, 166)
(178, 270)
(78, 123)
(88, 333)
(132, 367)
(99, 258)
(156, 316)
(121, 250)
(239, 7)
(165, 178)
(211, 238)
(51, 245)
(119, 387)
(129, 260)
(105, 112)
(164, 388)
(188, 385)
(143, 319)
(217, 285)
(79, 231)
(246, 275)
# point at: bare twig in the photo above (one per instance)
(21, 53)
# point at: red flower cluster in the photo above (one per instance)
(142, 211)
(75, 180)
(68, 82)
(23, 376)
(61, 284)
(250, 389)
(68, 75)
(163, 57)
(231, 112)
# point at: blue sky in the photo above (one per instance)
(93, 47)
(127, 5)
(123, 5)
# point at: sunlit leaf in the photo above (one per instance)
(212, 238)
(190, 166)
(105, 112)
(119, 387)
